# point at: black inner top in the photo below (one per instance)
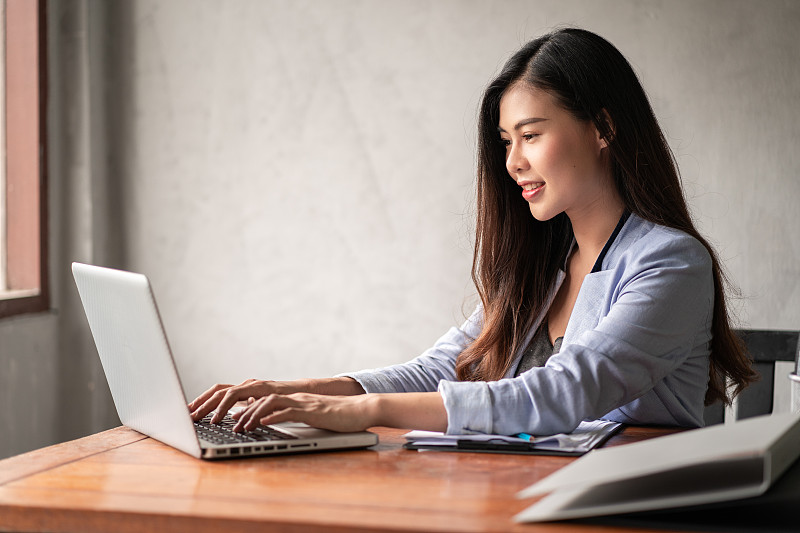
(540, 348)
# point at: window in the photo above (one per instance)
(23, 222)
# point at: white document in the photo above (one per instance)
(585, 437)
(714, 464)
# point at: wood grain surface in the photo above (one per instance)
(120, 480)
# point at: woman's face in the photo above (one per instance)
(557, 160)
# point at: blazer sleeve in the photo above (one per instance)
(424, 373)
(660, 303)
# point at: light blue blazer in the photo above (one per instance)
(636, 349)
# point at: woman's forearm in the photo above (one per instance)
(341, 386)
(409, 410)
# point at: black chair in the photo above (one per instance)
(765, 348)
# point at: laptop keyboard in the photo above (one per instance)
(222, 432)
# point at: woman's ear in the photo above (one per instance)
(605, 128)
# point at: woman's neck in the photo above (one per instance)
(593, 227)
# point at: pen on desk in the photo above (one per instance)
(525, 436)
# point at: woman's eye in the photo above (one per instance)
(505, 142)
(530, 136)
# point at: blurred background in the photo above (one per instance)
(297, 178)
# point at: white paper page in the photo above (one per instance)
(585, 436)
(433, 438)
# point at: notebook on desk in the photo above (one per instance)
(586, 437)
(140, 369)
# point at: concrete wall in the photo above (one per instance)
(297, 177)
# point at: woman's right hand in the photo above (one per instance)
(222, 397)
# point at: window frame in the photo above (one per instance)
(26, 224)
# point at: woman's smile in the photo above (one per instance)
(531, 189)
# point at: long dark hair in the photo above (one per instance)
(517, 257)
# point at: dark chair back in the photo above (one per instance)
(765, 348)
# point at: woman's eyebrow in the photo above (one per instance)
(523, 122)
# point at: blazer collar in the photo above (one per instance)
(627, 232)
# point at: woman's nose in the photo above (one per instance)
(515, 160)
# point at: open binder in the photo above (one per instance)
(703, 466)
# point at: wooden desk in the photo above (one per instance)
(120, 480)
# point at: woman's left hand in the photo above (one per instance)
(337, 413)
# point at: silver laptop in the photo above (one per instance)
(144, 382)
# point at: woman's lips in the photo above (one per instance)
(530, 190)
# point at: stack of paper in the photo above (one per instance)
(586, 436)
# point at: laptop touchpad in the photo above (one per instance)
(304, 431)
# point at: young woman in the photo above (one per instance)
(599, 299)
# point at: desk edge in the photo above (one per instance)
(37, 461)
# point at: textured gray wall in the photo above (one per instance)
(297, 177)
